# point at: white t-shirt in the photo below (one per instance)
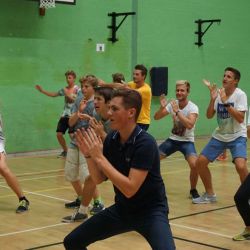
(1, 129)
(248, 120)
(1, 136)
(179, 132)
(228, 128)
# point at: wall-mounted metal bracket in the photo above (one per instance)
(201, 33)
(113, 26)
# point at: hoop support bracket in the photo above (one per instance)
(113, 26)
(201, 33)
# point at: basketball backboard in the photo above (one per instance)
(59, 1)
(66, 1)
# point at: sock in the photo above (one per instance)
(97, 199)
(83, 209)
(23, 198)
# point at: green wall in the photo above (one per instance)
(35, 49)
(166, 38)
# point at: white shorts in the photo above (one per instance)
(76, 167)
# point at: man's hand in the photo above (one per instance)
(212, 88)
(83, 116)
(39, 88)
(163, 101)
(81, 142)
(90, 143)
(175, 106)
(223, 95)
(82, 105)
(97, 126)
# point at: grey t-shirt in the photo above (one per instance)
(106, 123)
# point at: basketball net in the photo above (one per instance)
(47, 4)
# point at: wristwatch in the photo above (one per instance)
(177, 112)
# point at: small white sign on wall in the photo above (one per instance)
(100, 47)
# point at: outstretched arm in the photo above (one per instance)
(51, 94)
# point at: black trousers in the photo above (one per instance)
(242, 200)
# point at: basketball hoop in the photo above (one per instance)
(47, 4)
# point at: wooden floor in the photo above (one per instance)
(199, 227)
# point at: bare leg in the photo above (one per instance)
(77, 187)
(62, 141)
(193, 171)
(205, 174)
(9, 176)
(89, 191)
(241, 167)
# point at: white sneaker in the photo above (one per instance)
(205, 199)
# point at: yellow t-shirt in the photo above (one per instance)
(145, 91)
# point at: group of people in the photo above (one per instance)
(107, 123)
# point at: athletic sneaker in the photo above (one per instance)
(75, 217)
(245, 235)
(62, 155)
(73, 204)
(23, 206)
(205, 198)
(194, 194)
(97, 207)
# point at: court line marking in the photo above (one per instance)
(32, 229)
(41, 172)
(200, 230)
(198, 243)
(43, 195)
(37, 178)
(201, 212)
(43, 246)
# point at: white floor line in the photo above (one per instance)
(41, 172)
(37, 178)
(33, 229)
(200, 230)
(43, 195)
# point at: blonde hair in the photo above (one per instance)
(184, 82)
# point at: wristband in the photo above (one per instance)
(177, 112)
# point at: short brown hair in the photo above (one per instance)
(236, 72)
(130, 99)
(118, 77)
(105, 92)
(143, 69)
(70, 72)
(90, 79)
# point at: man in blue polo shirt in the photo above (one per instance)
(140, 198)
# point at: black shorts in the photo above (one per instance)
(63, 125)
